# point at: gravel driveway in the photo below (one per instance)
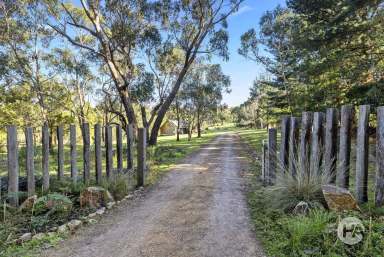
(198, 209)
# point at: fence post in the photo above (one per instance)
(30, 165)
(109, 151)
(60, 152)
(86, 157)
(379, 190)
(141, 157)
(98, 160)
(362, 146)
(305, 137)
(272, 158)
(346, 116)
(284, 145)
(264, 162)
(330, 144)
(119, 148)
(317, 142)
(130, 139)
(45, 158)
(293, 140)
(13, 166)
(72, 131)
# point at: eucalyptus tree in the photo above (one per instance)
(118, 31)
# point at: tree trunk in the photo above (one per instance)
(198, 124)
(144, 120)
(164, 108)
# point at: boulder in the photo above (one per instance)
(95, 197)
(53, 203)
(74, 224)
(24, 238)
(28, 203)
(100, 211)
(110, 205)
(62, 229)
(302, 208)
(339, 199)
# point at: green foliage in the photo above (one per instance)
(52, 204)
(118, 185)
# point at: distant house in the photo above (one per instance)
(169, 127)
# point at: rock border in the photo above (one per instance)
(73, 225)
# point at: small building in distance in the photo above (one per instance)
(169, 127)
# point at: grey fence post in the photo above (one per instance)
(86, 153)
(30, 165)
(119, 148)
(13, 166)
(346, 116)
(264, 162)
(45, 158)
(72, 131)
(293, 141)
(272, 158)
(362, 146)
(109, 151)
(317, 142)
(305, 137)
(379, 190)
(98, 157)
(130, 140)
(60, 152)
(284, 145)
(330, 148)
(141, 156)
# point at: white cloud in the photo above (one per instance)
(243, 9)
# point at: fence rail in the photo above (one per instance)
(323, 142)
(13, 166)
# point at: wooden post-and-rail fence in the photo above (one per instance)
(13, 156)
(321, 142)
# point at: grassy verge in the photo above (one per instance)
(285, 234)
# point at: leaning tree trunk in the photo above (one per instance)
(164, 108)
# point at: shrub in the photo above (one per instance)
(118, 185)
(52, 204)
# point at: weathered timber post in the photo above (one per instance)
(284, 145)
(379, 187)
(60, 152)
(98, 157)
(264, 162)
(30, 165)
(141, 156)
(272, 156)
(346, 116)
(119, 148)
(130, 140)
(317, 142)
(13, 166)
(330, 148)
(45, 158)
(72, 139)
(362, 146)
(293, 141)
(305, 137)
(86, 152)
(109, 151)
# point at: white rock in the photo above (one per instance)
(51, 234)
(100, 211)
(74, 224)
(118, 202)
(92, 215)
(38, 236)
(62, 229)
(128, 197)
(25, 237)
(110, 205)
(92, 221)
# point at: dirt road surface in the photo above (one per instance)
(197, 210)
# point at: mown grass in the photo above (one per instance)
(284, 234)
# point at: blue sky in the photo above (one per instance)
(242, 71)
